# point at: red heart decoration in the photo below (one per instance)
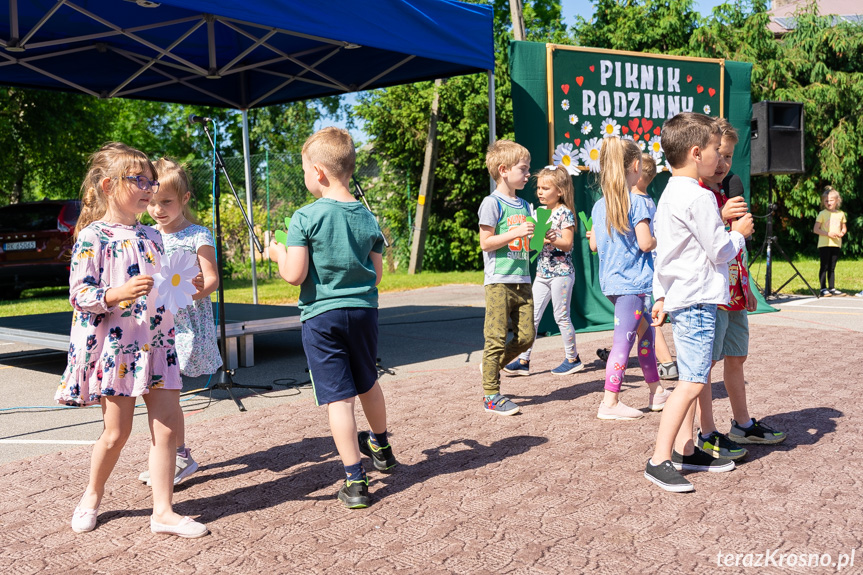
(579, 80)
(565, 88)
(592, 68)
(624, 129)
(711, 91)
(699, 88)
(577, 141)
(636, 137)
(566, 135)
(633, 124)
(688, 78)
(657, 130)
(646, 124)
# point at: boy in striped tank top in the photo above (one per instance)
(504, 233)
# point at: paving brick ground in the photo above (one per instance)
(553, 490)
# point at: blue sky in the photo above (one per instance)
(571, 9)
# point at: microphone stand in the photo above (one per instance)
(361, 197)
(224, 378)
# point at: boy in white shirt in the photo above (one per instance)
(690, 280)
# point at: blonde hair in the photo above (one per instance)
(560, 179)
(334, 149)
(114, 161)
(172, 175)
(648, 167)
(615, 158)
(683, 132)
(727, 130)
(504, 153)
(825, 195)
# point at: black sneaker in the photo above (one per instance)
(700, 461)
(602, 354)
(382, 457)
(667, 477)
(718, 445)
(757, 433)
(355, 494)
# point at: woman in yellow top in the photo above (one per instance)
(830, 227)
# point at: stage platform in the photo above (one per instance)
(242, 322)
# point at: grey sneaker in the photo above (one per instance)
(667, 477)
(757, 433)
(718, 445)
(500, 405)
(185, 466)
(668, 370)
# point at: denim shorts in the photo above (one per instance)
(341, 348)
(732, 334)
(693, 329)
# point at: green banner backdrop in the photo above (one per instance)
(566, 99)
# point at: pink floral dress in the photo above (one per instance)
(123, 350)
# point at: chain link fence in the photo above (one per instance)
(278, 190)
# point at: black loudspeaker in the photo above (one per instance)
(777, 138)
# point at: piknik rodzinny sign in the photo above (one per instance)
(594, 94)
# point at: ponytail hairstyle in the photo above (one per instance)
(113, 161)
(560, 179)
(172, 176)
(615, 158)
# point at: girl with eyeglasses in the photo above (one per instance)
(122, 346)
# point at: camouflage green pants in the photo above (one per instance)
(504, 302)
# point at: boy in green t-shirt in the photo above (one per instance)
(504, 232)
(334, 252)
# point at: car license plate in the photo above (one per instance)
(12, 246)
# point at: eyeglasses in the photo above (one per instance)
(145, 183)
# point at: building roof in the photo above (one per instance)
(782, 13)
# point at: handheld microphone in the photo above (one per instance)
(193, 119)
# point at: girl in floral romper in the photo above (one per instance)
(197, 348)
(555, 274)
(122, 348)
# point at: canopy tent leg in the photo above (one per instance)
(247, 160)
(492, 135)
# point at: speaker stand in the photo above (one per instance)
(769, 241)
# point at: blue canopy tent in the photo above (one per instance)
(240, 54)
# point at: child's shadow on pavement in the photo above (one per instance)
(456, 456)
(804, 427)
(327, 467)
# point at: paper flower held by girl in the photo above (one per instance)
(174, 281)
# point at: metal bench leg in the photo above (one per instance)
(247, 350)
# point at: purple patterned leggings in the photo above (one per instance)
(628, 310)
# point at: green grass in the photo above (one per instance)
(849, 275)
(270, 291)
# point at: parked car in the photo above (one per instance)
(35, 244)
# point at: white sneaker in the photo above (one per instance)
(619, 411)
(185, 466)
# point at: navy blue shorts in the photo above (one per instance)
(341, 348)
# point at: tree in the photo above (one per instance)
(396, 120)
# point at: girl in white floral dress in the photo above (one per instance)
(197, 347)
(122, 348)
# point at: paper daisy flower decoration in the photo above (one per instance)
(654, 148)
(174, 281)
(707, 109)
(565, 105)
(586, 128)
(609, 128)
(563, 157)
(573, 119)
(589, 154)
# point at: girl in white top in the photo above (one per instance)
(555, 273)
(197, 348)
